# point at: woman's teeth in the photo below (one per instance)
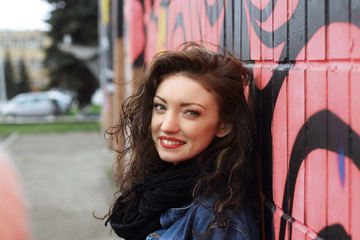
(169, 142)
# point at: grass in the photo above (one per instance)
(94, 109)
(8, 128)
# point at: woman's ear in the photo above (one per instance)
(223, 129)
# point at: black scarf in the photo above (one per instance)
(160, 191)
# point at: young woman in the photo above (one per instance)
(190, 157)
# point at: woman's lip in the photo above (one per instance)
(171, 142)
(171, 139)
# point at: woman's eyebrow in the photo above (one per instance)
(162, 99)
(181, 104)
(190, 103)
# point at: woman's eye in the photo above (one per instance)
(192, 113)
(159, 107)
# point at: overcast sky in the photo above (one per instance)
(24, 14)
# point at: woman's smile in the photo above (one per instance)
(170, 142)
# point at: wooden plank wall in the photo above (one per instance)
(305, 57)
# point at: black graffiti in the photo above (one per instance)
(334, 232)
(213, 12)
(296, 32)
(264, 104)
(179, 22)
(313, 135)
(295, 38)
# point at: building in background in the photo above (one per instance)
(27, 46)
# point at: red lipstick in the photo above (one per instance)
(171, 142)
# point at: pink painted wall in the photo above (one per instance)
(305, 55)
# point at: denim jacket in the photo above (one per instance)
(180, 223)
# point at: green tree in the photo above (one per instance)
(23, 85)
(78, 19)
(11, 89)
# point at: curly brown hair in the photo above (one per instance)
(229, 166)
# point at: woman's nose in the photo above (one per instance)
(170, 123)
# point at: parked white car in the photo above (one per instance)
(63, 99)
(35, 104)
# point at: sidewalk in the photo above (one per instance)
(65, 177)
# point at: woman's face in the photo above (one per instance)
(184, 119)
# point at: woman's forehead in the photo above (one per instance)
(183, 88)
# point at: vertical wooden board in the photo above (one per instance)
(213, 28)
(298, 206)
(213, 22)
(254, 38)
(266, 75)
(118, 14)
(203, 19)
(151, 33)
(338, 30)
(355, 171)
(338, 137)
(245, 32)
(257, 71)
(316, 30)
(215, 37)
(355, 30)
(280, 153)
(208, 27)
(216, 17)
(298, 231)
(296, 132)
(310, 235)
(267, 32)
(280, 30)
(278, 216)
(147, 4)
(220, 21)
(186, 12)
(316, 161)
(162, 40)
(316, 93)
(136, 34)
(195, 21)
(229, 26)
(183, 32)
(297, 30)
(354, 42)
(174, 31)
(237, 28)
(338, 211)
(277, 221)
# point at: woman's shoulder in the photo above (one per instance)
(237, 225)
(191, 222)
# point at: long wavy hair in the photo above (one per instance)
(229, 165)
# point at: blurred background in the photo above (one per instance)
(49, 47)
(55, 164)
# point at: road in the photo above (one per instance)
(65, 178)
